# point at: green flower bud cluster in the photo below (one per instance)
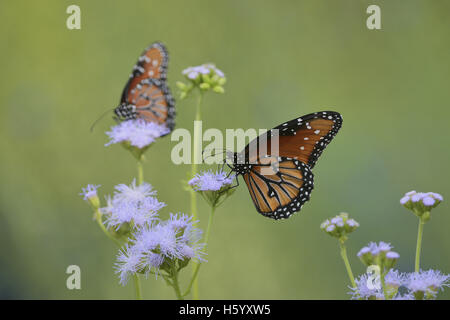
(339, 226)
(205, 77)
(421, 203)
(379, 254)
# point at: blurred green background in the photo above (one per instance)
(282, 59)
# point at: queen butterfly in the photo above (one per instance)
(146, 95)
(279, 184)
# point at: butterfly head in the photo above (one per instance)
(237, 162)
(126, 111)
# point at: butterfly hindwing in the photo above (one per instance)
(279, 186)
(153, 102)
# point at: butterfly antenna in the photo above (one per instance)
(212, 155)
(101, 117)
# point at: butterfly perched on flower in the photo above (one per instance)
(146, 95)
(280, 179)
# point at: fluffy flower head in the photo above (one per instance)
(211, 181)
(136, 204)
(90, 191)
(339, 226)
(175, 240)
(421, 202)
(426, 284)
(209, 69)
(138, 133)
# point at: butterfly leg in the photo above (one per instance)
(237, 183)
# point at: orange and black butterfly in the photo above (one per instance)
(146, 95)
(280, 179)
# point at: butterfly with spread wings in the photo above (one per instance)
(281, 182)
(146, 95)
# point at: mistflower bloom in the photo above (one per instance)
(90, 191)
(375, 248)
(392, 255)
(363, 291)
(214, 187)
(161, 246)
(132, 192)
(180, 221)
(90, 194)
(421, 202)
(368, 287)
(426, 284)
(378, 254)
(393, 281)
(394, 278)
(129, 261)
(205, 77)
(132, 204)
(339, 226)
(192, 73)
(136, 133)
(210, 181)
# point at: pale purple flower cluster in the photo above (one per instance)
(156, 243)
(375, 248)
(428, 199)
(211, 181)
(363, 291)
(426, 282)
(132, 204)
(380, 254)
(90, 191)
(138, 133)
(192, 73)
(394, 278)
(340, 225)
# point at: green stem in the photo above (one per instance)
(197, 266)
(383, 285)
(176, 286)
(140, 170)
(193, 193)
(347, 263)
(137, 281)
(98, 218)
(419, 244)
(137, 286)
(210, 220)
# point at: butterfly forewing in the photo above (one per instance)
(305, 138)
(152, 64)
(147, 90)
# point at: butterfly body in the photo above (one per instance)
(280, 179)
(146, 95)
